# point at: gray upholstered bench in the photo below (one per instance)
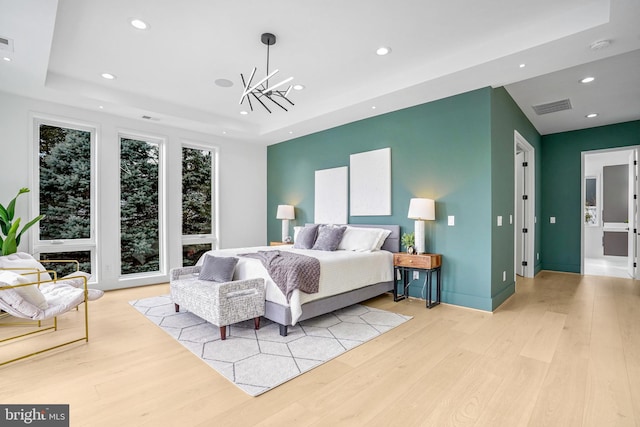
(219, 303)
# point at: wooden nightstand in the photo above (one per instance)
(427, 263)
(279, 243)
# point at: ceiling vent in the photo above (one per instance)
(6, 44)
(552, 107)
(150, 118)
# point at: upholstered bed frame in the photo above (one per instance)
(282, 314)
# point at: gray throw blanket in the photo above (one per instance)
(290, 271)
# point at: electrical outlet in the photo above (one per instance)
(538, 255)
(416, 275)
(504, 276)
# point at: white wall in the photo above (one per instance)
(241, 185)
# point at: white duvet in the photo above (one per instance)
(340, 271)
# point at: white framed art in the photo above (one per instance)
(331, 200)
(370, 183)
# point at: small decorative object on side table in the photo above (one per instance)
(280, 243)
(426, 263)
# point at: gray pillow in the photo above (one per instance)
(306, 237)
(329, 238)
(218, 269)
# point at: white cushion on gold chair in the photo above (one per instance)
(19, 262)
(30, 293)
(60, 298)
(22, 262)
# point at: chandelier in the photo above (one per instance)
(261, 91)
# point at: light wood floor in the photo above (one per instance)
(563, 351)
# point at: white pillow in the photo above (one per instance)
(360, 239)
(296, 231)
(31, 293)
(21, 262)
(383, 236)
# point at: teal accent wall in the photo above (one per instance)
(505, 118)
(561, 186)
(441, 150)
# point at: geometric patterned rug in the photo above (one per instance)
(257, 361)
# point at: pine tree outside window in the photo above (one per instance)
(198, 207)
(65, 193)
(140, 201)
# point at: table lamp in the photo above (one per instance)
(421, 210)
(285, 213)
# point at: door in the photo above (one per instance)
(524, 253)
(632, 240)
(521, 237)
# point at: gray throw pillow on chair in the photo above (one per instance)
(218, 269)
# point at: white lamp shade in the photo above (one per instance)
(285, 212)
(422, 209)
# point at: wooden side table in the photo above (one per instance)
(279, 243)
(426, 263)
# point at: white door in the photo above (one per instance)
(633, 215)
(521, 237)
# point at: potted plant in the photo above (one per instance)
(9, 234)
(408, 241)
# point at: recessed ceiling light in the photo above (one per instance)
(6, 58)
(587, 80)
(244, 113)
(523, 65)
(591, 115)
(290, 132)
(298, 87)
(373, 107)
(139, 24)
(224, 82)
(101, 107)
(383, 50)
(108, 76)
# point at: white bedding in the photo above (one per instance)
(340, 271)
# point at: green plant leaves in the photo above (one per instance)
(9, 244)
(26, 227)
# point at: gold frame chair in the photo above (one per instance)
(38, 322)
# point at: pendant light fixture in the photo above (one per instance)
(261, 91)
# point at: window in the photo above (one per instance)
(197, 203)
(140, 201)
(65, 268)
(65, 192)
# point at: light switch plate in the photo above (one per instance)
(451, 221)
(499, 220)
(552, 220)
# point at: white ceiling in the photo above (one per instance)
(439, 48)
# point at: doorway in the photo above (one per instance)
(609, 242)
(524, 209)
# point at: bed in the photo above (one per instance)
(347, 277)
